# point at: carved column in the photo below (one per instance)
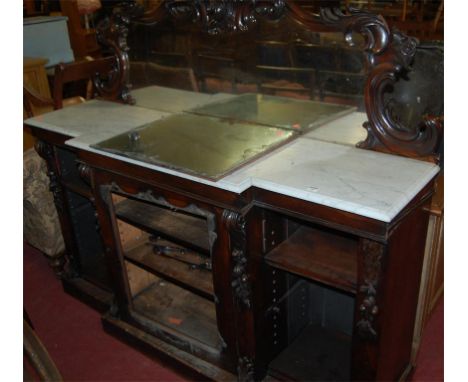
(235, 225)
(46, 152)
(367, 317)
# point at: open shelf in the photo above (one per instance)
(319, 255)
(178, 272)
(181, 311)
(186, 229)
(317, 354)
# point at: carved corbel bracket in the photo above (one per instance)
(85, 172)
(389, 55)
(236, 226)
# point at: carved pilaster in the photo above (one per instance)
(46, 152)
(245, 369)
(235, 225)
(372, 257)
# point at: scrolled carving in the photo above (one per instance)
(385, 129)
(373, 253)
(236, 225)
(373, 28)
(112, 34)
(85, 172)
(223, 15)
(389, 55)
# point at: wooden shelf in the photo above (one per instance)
(317, 354)
(188, 230)
(181, 311)
(318, 255)
(197, 280)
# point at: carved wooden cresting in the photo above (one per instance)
(389, 55)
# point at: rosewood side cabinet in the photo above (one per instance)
(243, 284)
(302, 264)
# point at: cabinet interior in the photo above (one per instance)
(167, 256)
(310, 286)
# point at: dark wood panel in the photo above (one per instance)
(318, 255)
(171, 269)
(318, 354)
(185, 228)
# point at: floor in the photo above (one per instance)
(82, 351)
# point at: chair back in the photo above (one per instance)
(87, 70)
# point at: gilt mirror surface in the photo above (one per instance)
(198, 145)
(282, 74)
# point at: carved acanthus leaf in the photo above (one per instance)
(225, 15)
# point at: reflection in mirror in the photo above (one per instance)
(278, 58)
(185, 54)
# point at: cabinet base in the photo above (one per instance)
(153, 346)
(88, 293)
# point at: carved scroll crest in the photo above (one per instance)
(112, 34)
(389, 55)
(217, 16)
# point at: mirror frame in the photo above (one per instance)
(389, 54)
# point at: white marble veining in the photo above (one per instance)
(346, 130)
(174, 100)
(367, 183)
(101, 117)
(364, 182)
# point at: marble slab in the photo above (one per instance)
(367, 183)
(105, 119)
(174, 100)
(347, 130)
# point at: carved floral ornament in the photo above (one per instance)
(389, 54)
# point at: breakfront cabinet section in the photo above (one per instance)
(331, 305)
(178, 266)
(82, 268)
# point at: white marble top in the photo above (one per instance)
(367, 183)
(95, 117)
(346, 130)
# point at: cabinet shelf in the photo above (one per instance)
(188, 230)
(181, 311)
(197, 280)
(318, 255)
